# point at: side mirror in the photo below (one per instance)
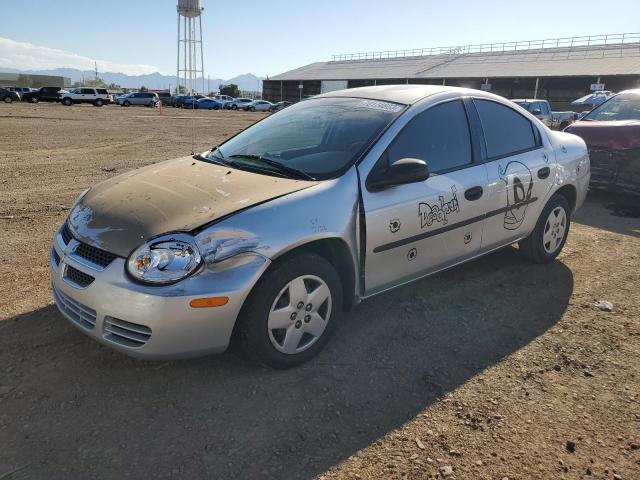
(536, 111)
(400, 172)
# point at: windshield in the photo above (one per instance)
(320, 137)
(625, 106)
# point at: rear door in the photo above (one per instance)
(521, 168)
(417, 228)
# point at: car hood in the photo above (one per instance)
(183, 194)
(619, 135)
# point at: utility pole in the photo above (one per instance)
(95, 65)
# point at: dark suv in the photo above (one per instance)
(7, 96)
(43, 94)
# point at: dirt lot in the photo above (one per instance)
(494, 369)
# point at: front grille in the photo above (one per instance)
(79, 313)
(56, 257)
(94, 255)
(125, 333)
(66, 235)
(77, 277)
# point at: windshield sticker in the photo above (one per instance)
(377, 105)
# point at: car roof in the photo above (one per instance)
(404, 93)
(528, 100)
(635, 91)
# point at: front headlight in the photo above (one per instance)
(164, 260)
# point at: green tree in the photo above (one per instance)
(144, 89)
(181, 90)
(232, 90)
(25, 80)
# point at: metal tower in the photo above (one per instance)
(189, 42)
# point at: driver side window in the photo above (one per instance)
(439, 136)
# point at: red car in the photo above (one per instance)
(612, 134)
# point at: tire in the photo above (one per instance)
(550, 234)
(67, 102)
(7, 99)
(98, 102)
(265, 344)
(34, 99)
(253, 109)
(216, 107)
(234, 107)
(126, 104)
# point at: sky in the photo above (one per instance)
(267, 37)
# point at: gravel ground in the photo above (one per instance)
(495, 369)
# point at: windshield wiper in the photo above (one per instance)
(277, 165)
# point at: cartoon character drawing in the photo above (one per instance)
(519, 185)
(438, 213)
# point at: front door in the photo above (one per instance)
(418, 228)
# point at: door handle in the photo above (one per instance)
(473, 193)
(544, 173)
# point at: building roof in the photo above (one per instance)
(598, 60)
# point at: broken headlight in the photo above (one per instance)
(165, 260)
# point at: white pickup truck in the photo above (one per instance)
(542, 110)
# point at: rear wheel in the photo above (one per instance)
(34, 100)
(291, 313)
(550, 234)
(7, 99)
(234, 107)
(98, 102)
(253, 109)
(67, 102)
(126, 103)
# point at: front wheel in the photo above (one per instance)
(291, 312)
(550, 234)
(126, 104)
(234, 107)
(34, 100)
(7, 99)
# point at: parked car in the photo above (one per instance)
(612, 134)
(19, 90)
(204, 103)
(95, 96)
(258, 106)
(164, 97)
(43, 94)
(8, 96)
(148, 99)
(329, 202)
(224, 100)
(276, 107)
(238, 103)
(180, 99)
(542, 111)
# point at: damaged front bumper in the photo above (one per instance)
(151, 322)
(616, 170)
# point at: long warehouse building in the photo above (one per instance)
(559, 70)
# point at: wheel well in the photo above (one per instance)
(569, 192)
(337, 253)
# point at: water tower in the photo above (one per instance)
(190, 56)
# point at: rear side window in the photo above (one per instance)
(506, 132)
(102, 91)
(439, 136)
(87, 91)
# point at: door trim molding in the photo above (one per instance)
(448, 228)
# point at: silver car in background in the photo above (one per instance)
(268, 237)
(148, 99)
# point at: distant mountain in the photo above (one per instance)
(156, 80)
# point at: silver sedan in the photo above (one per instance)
(273, 234)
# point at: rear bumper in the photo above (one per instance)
(153, 322)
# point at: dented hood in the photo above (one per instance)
(177, 195)
(617, 135)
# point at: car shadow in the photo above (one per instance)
(74, 409)
(611, 211)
